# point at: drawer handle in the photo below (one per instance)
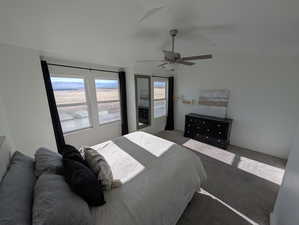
(219, 140)
(218, 125)
(207, 137)
(204, 122)
(208, 130)
(197, 134)
(219, 132)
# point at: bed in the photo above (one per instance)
(159, 178)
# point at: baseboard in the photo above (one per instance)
(273, 219)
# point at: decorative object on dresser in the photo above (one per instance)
(208, 129)
(214, 102)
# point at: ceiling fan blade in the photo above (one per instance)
(198, 57)
(150, 12)
(184, 62)
(145, 61)
(163, 64)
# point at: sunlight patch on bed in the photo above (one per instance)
(124, 167)
(154, 145)
(262, 170)
(211, 151)
(204, 192)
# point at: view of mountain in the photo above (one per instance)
(61, 85)
(75, 84)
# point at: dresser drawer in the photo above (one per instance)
(192, 120)
(220, 130)
(188, 132)
(220, 134)
(188, 127)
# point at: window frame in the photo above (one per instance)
(87, 97)
(104, 77)
(160, 79)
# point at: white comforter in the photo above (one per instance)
(159, 179)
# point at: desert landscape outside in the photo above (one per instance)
(73, 109)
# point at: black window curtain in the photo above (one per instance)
(170, 114)
(53, 109)
(123, 102)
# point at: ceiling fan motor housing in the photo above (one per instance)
(173, 32)
(172, 56)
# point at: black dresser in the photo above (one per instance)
(208, 129)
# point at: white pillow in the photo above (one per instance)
(100, 167)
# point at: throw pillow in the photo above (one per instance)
(101, 168)
(55, 203)
(83, 182)
(47, 161)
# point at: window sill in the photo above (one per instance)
(88, 128)
(160, 117)
(109, 123)
(76, 131)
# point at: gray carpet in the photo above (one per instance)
(249, 194)
(204, 210)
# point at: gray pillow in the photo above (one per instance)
(4, 157)
(16, 191)
(47, 161)
(55, 203)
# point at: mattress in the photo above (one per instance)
(159, 179)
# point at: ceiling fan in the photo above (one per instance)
(172, 57)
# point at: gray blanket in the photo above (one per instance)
(159, 179)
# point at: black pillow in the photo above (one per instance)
(83, 182)
(70, 152)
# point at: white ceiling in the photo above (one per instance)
(108, 31)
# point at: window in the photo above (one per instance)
(160, 103)
(107, 100)
(71, 103)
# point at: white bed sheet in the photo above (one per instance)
(159, 179)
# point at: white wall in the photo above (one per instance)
(264, 97)
(94, 135)
(263, 104)
(24, 99)
(4, 128)
(287, 203)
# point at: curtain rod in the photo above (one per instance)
(82, 68)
